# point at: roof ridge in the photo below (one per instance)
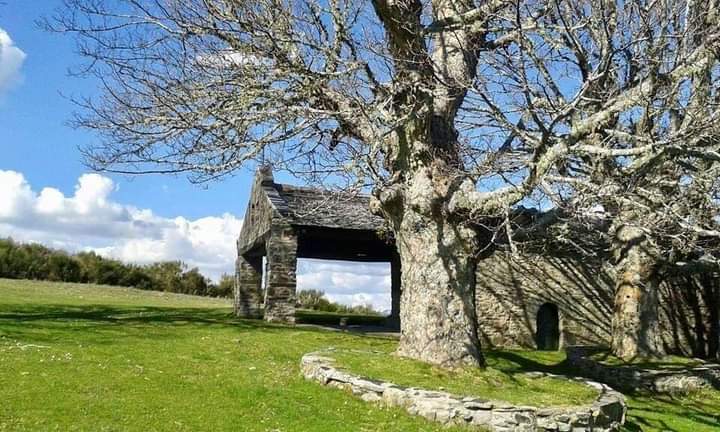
(291, 187)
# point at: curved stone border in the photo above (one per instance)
(607, 413)
(635, 378)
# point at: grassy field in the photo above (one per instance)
(76, 357)
(499, 381)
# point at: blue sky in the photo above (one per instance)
(47, 195)
(37, 142)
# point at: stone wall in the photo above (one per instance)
(511, 289)
(675, 380)
(248, 287)
(258, 214)
(691, 309)
(281, 273)
(606, 413)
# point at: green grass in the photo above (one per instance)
(77, 357)
(333, 318)
(501, 380)
(92, 358)
(698, 412)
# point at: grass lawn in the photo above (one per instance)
(77, 357)
(500, 381)
(333, 318)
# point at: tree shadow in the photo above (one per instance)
(646, 411)
(103, 324)
(651, 412)
(514, 363)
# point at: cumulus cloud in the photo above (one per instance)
(348, 283)
(11, 60)
(91, 220)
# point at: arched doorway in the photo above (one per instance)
(547, 336)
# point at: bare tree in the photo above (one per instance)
(626, 94)
(453, 111)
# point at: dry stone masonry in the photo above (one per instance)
(606, 413)
(281, 267)
(514, 288)
(283, 223)
(674, 381)
(248, 278)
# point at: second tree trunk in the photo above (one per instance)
(635, 326)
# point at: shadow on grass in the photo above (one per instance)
(105, 324)
(646, 411)
(118, 315)
(656, 412)
(670, 364)
(515, 362)
(44, 323)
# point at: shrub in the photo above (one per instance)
(34, 261)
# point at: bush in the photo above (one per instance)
(192, 282)
(316, 300)
(34, 261)
(63, 268)
(225, 288)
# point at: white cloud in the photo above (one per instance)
(348, 282)
(11, 60)
(91, 220)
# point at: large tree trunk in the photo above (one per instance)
(636, 329)
(437, 309)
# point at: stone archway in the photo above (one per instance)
(283, 223)
(547, 334)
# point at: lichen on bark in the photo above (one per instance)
(636, 331)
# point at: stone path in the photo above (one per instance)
(359, 329)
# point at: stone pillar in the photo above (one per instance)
(248, 287)
(393, 320)
(280, 282)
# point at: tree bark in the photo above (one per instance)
(437, 310)
(636, 329)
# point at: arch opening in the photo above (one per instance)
(547, 334)
(350, 283)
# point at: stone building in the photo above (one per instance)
(283, 223)
(523, 300)
(551, 301)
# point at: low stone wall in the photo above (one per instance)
(635, 378)
(606, 413)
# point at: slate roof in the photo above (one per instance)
(322, 208)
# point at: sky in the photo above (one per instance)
(48, 196)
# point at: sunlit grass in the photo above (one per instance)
(75, 357)
(501, 380)
(91, 358)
